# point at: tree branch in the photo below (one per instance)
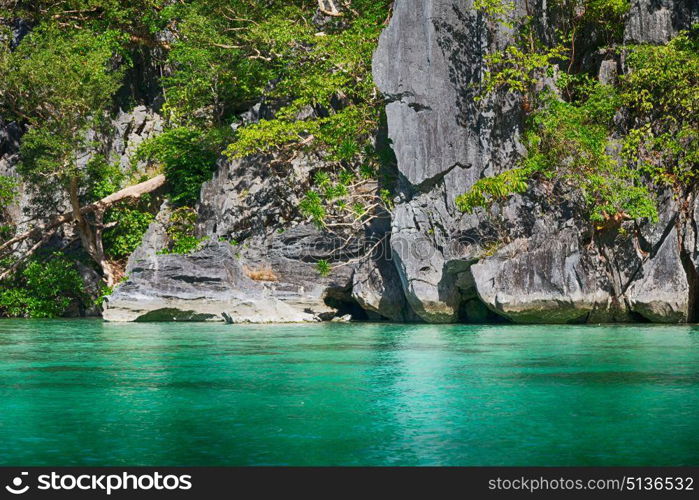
(328, 8)
(27, 254)
(129, 193)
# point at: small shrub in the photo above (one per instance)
(104, 292)
(312, 206)
(323, 267)
(8, 190)
(188, 157)
(491, 189)
(121, 240)
(104, 178)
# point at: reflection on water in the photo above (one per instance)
(86, 392)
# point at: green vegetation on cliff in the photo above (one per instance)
(45, 287)
(214, 59)
(616, 141)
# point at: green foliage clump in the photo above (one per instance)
(43, 288)
(571, 142)
(498, 11)
(181, 232)
(121, 240)
(103, 177)
(312, 206)
(188, 157)
(518, 70)
(104, 292)
(213, 72)
(140, 19)
(572, 137)
(524, 63)
(216, 59)
(491, 189)
(8, 190)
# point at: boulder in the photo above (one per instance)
(553, 282)
(661, 292)
(201, 286)
(376, 287)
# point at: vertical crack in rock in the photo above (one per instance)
(687, 241)
(692, 282)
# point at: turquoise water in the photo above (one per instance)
(92, 393)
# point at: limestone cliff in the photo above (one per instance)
(437, 264)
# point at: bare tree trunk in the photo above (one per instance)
(99, 257)
(91, 239)
(84, 230)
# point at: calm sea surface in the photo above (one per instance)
(85, 392)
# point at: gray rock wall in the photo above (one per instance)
(547, 266)
(657, 21)
(203, 286)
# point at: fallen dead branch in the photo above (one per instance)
(44, 232)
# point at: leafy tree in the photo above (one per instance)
(213, 72)
(60, 82)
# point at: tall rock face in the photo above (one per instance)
(657, 21)
(537, 263)
(253, 202)
(427, 62)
